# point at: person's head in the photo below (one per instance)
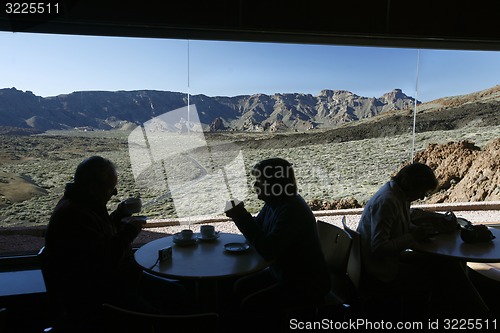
(274, 178)
(97, 176)
(417, 180)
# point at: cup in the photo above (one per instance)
(187, 234)
(133, 205)
(207, 231)
(231, 204)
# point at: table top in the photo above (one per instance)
(451, 245)
(202, 260)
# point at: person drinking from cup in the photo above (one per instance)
(284, 232)
(88, 256)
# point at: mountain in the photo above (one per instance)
(477, 109)
(259, 112)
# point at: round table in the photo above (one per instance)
(451, 245)
(205, 262)
(202, 260)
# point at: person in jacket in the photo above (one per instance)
(88, 258)
(284, 233)
(388, 230)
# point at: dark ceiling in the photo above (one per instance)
(448, 24)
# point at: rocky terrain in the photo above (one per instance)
(465, 171)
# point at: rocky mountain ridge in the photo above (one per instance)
(90, 110)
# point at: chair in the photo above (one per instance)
(370, 299)
(354, 265)
(119, 320)
(336, 246)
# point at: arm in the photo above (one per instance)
(87, 237)
(279, 237)
(384, 219)
(441, 222)
(125, 231)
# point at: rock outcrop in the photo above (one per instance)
(465, 172)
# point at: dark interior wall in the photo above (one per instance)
(399, 23)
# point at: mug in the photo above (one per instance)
(187, 234)
(207, 231)
(133, 205)
(230, 204)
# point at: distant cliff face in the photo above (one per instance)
(108, 110)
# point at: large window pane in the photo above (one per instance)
(186, 120)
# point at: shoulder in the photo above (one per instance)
(71, 210)
(295, 202)
(296, 208)
(388, 193)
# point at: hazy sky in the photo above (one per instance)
(50, 65)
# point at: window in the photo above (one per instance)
(185, 120)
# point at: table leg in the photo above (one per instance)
(475, 296)
(206, 297)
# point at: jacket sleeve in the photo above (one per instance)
(125, 232)
(278, 240)
(384, 217)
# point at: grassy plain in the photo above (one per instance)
(324, 171)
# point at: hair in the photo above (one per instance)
(278, 173)
(92, 169)
(416, 176)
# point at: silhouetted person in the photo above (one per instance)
(387, 230)
(284, 232)
(88, 256)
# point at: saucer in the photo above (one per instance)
(236, 247)
(177, 239)
(208, 239)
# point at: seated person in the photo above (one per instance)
(88, 258)
(284, 232)
(386, 231)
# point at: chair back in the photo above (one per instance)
(336, 246)
(354, 266)
(119, 320)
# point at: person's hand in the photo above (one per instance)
(237, 211)
(138, 224)
(448, 223)
(122, 210)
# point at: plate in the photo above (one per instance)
(181, 241)
(208, 239)
(236, 247)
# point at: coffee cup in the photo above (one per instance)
(187, 234)
(207, 231)
(133, 205)
(231, 204)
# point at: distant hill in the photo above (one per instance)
(479, 109)
(110, 110)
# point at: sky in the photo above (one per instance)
(50, 65)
